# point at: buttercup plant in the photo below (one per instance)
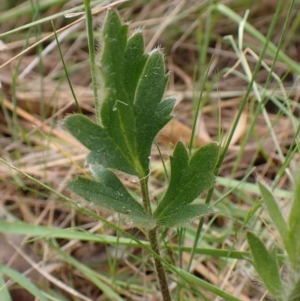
(131, 113)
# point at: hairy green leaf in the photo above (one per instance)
(109, 179)
(185, 215)
(189, 178)
(131, 109)
(151, 115)
(103, 148)
(179, 162)
(266, 266)
(109, 193)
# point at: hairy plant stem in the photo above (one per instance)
(163, 283)
(161, 273)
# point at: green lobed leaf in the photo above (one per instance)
(188, 179)
(109, 193)
(110, 180)
(185, 215)
(131, 109)
(135, 60)
(151, 114)
(104, 150)
(116, 112)
(179, 162)
(266, 266)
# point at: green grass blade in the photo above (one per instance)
(274, 211)
(92, 56)
(26, 8)
(258, 36)
(252, 211)
(294, 225)
(4, 292)
(193, 280)
(101, 282)
(68, 233)
(22, 228)
(23, 282)
(250, 187)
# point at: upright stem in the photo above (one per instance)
(163, 283)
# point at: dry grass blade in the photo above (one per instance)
(94, 12)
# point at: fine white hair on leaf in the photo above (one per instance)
(138, 30)
(128, 22)
(156, 49)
